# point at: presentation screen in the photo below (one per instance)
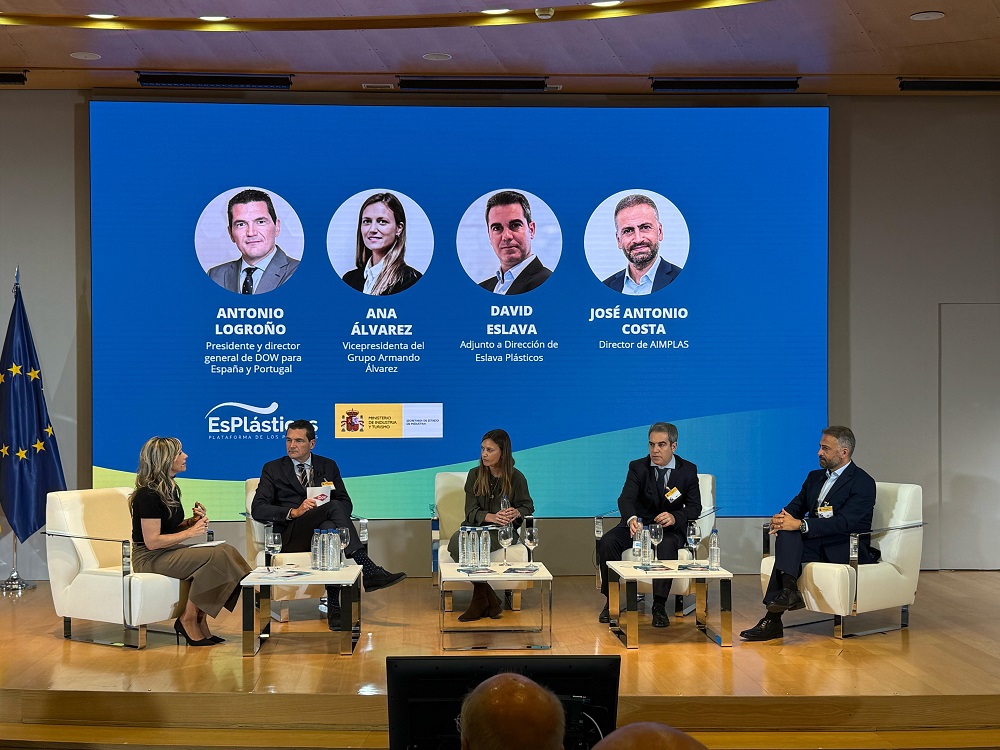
(407, 278)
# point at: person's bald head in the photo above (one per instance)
(648, 735)
(510, 710)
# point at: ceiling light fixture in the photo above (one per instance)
(85, 55)
(101, 16)
(927, 15)
(437, 56)
(607, 3)
(214, 80)
(495, 11)
(213, 19)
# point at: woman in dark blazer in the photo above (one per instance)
(485, 488)
(381, 248)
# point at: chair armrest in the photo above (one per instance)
(125, 543)
(856, 537)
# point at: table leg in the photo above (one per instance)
(350, 617)
(725, 636)
(625, 625)
(256, 618)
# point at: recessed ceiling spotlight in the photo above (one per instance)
(213, 19)
(927, 15)
(607, 3)
(496, 11)
(85, 55)
(437, 56)
(101, 16)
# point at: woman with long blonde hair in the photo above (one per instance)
(379, 257)
(158, 530)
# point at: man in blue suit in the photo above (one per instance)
(639, 234)
(835, 501)
(254, 227)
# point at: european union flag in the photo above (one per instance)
(30, 466)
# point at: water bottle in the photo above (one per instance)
(637, 543)
(598, 527)
(334, 554)
(646, 546)
(463, 548)
(321, 551)
(714, 551)
(314, 561)
(484, 546)
(363, 531)
(473, 547)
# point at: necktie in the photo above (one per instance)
(661, 481)
(303, 472)
(248, 281)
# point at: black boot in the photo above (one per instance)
(480, 603)
(333, 607)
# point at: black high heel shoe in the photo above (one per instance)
(216, 639)
(181, 631)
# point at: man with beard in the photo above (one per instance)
(835, 501)
(639, 233)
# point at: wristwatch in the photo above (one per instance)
(804, 528)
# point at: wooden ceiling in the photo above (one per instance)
(833, 46)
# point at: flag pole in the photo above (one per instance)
(14, 581)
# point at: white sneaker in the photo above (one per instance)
(322, 604)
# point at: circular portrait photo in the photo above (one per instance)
(380, 242)
(509, 242)
(249, 240)
(636, 242)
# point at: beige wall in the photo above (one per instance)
(915, 222)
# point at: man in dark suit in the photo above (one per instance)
(254, 227)
(660, 488)
(511, 230)
(281, 499)
(639, 234)
(835, 501)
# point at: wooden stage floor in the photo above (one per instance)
(936, 684)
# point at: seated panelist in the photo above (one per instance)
(281, 500)
(659, 488)
(485, 489)
(158, 530)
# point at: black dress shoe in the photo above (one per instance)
(605, 615)
(333, 617)
(765, 630)
(382, 579)
(660, 619)
(787, 599)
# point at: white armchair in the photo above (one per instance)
(88, 550)
(684, 587)
(848, 590)
(280, 595)
(449, 500)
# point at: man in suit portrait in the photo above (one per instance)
(281, 499)
(660, 488)
(639, 234)
(836, 500)
(511, 230)
(254, 228)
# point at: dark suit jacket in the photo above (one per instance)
(279, 490)
(665, 273)
(355, 278)
(853, 499)
(533, 276)
(640, 497)
(278, 271)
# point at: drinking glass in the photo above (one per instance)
(345, 539)
(506, 535)
(272, 544)
(655, 536)
(693, 538)
(531, 541)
